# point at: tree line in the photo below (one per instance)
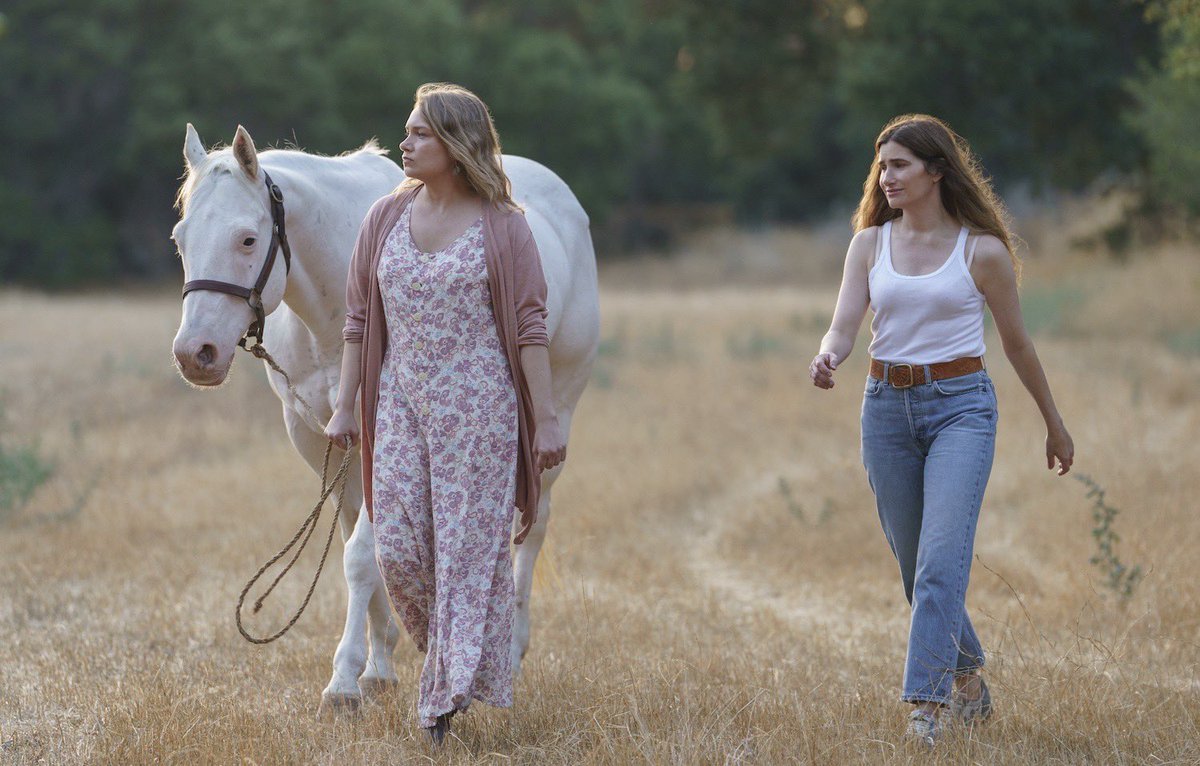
(764, 108)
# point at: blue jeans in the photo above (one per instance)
(928, 452)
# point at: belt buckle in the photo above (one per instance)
(893, 369)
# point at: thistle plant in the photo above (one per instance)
(1117, 576)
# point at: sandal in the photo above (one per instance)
(972, 711)
(439, 730)
(925, 728)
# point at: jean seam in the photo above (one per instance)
(964, 567)
(912, 427)
(978, 389)
(924, 698)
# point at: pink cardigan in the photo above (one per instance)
(518, 289)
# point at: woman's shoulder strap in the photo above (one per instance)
(972, 244)
(883, 233)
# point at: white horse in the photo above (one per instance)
(224, 233)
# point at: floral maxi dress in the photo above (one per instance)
(445, 469)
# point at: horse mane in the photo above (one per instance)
(222, 159)
(371, 146)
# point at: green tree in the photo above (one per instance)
(768, 106)
(1169, 99)
(592, 90)
(1037, 86)
(765, 69)
(62, 95)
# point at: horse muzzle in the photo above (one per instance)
(201, 363)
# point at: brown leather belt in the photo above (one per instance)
(908, 375)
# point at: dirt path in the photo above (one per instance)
(805, 606)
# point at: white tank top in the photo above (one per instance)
(925, 319)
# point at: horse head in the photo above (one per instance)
(224, 235)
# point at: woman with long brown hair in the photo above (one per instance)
(931, 249)
(446, 340)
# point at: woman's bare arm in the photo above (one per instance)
(996, 279)
(852, 303)
(549, 446)
(342, 429)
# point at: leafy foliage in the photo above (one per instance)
(767, 107)
(1036, 86)
(22, 471)
(1119, 577)
(1169, 98)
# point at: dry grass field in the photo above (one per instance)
(715, 588)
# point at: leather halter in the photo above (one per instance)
(253, 295)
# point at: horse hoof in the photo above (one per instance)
(373, 688)
(339, 706)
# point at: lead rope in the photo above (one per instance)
(306, 528)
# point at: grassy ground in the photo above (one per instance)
(715, 588)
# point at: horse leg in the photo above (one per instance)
(524, 559)
(367, 605)
(523, 562)
(363, 575)
(343, 694)
(363, 580)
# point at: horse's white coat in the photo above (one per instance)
(224, 204)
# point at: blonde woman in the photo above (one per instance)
(446, 341)
(931, 248)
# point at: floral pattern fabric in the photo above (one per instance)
(445, 469)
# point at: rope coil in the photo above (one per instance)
(306, 528)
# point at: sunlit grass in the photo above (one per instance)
(715, 588)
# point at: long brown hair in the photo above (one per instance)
(966, 191)
(461, 121)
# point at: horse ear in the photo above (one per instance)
(246, 154)
(194, 152)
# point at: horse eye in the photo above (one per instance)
(248, 241)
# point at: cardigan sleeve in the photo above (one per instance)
(529, 286)
(358, 281)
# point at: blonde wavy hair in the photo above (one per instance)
(462, 123)
(965, 189)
